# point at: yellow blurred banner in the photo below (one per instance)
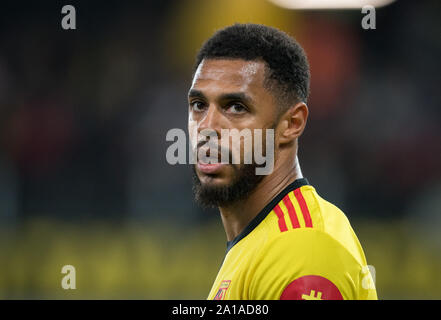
(164, 261)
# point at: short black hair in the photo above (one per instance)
(287, 66)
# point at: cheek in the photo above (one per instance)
(247, 147)
(241, 146)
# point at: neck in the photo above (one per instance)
(237, 216)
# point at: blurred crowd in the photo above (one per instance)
(84, 113)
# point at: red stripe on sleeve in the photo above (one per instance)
(303, 207)
(282, 223)
(291, 212)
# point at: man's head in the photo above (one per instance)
(246, 76)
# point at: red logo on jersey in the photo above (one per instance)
(311, 288)
(220, 295)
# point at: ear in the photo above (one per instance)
(292, 123)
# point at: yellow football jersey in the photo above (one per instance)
(298, 247)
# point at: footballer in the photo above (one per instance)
(283, 240)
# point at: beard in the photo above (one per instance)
(244, 181)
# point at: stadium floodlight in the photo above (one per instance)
(329, 4)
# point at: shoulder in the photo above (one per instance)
(308, 242)
(302, 258)
(303, 215)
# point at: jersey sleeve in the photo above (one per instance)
(308, 264)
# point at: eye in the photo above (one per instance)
(236, 108)
(197, 106)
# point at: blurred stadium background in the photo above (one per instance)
(83, 119)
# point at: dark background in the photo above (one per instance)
(83, 119)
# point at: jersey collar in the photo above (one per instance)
(266, 210)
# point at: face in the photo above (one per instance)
(228, 94)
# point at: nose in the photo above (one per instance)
(211, 120)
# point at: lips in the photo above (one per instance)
(210, 168)
(205, 166)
